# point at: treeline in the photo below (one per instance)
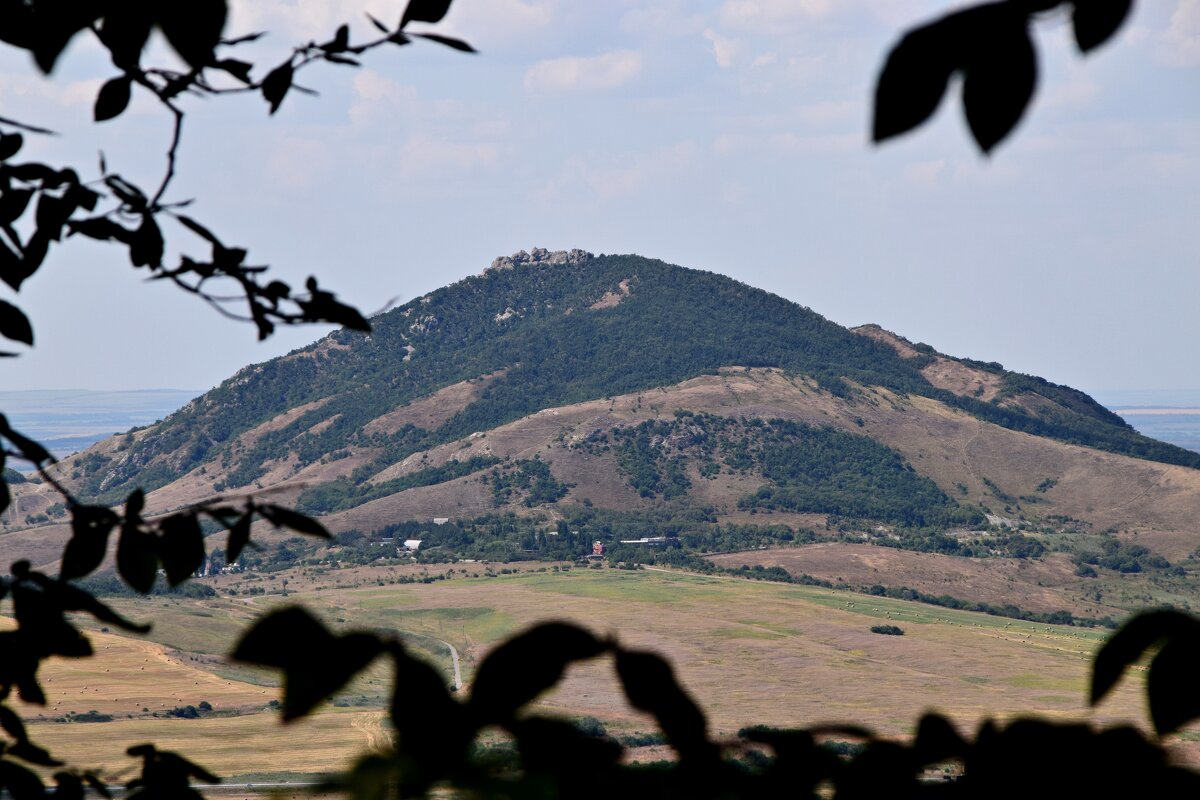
(1123, 557)
(107, 584)
(528, 480)
(1007, 610)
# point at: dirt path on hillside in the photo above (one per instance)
(454, 661)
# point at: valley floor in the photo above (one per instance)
(751, 652)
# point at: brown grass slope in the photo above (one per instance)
(1158, 504)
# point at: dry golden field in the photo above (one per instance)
(750, 652)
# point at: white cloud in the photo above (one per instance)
(298, 19)
(622, 177)
(771, 16)
(724, 49)
(299, 162)
(925, 173)
(790, 16)
(1078, 91)
(787, 143)
(485, 22)
(374, 92)
(29, 89)
(1180, 44)
(425, 155)
(377, 96)
(606, 71)
(665, 18)
(829, 111)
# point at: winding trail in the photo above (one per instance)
(454, 661)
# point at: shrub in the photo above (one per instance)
(888, 630)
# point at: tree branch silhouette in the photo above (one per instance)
(435, 729)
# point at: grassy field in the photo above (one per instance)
(750, 652)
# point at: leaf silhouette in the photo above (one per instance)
(528, 664)
(425, 11)
(999, 83)
(275, 86)
(124, 31)
(315, 663)
(282, 517)
(1171, 684)
(10, 145)
(13, 203)
(90, 528)
(146, 247)
(274, 638)
(112, 99)
(137, 558)
(100, 228)
(449, 41)
(1095, 21)
(21, 783)
(193, 28)
(181, 547)
(915, 75)
(1134, 638)
(650, 686)
(937, 740)
(239, 537)
(14, 324)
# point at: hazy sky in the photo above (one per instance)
(727, 136)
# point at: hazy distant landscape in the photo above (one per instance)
(69, 420)
(1178, 426)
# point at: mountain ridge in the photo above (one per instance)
(560, 399)
(563, 328)
(413, 411)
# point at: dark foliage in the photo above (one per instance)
(761, 762)
(989, 46)
(435, 731)
(888, 630)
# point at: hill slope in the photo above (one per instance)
(555, 331)
(560, 386)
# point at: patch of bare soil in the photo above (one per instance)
(895, 341)
(612, 298)
(462, 498)
(1044, 586)
(963, 380)
(432, 411)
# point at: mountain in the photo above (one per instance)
(558, 385)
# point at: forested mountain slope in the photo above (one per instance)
(555, 378)
(561, 333)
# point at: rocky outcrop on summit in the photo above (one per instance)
(540, 255)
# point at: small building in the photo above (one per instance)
(412, 544)
(597, 548)
(650, 541)
(440, 520)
